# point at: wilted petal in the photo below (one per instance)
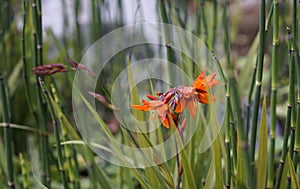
(192, 107)
(79, 66)
(211, 80)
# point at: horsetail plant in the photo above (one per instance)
(72, 168)
(56, 133)
(228, 111)
(296, 149)
(41, 109)
(258, 83)
(288, 114)
(7, 135)
(25, 63)
(272, 135)
(241, 146)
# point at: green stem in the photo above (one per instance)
(7, 135)
(65, 27)
(25, 64)
(204, 22)
(56, 133)
(296, 148)
(258, 84)
(78, 44)
(250, 99)
(41, 113)
(215, 21)
(269, 17)
(167, 35)
(70, 154)
(270, 180)
(232, 86)
(288, 115)
(228, 139)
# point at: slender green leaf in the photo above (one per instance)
(283, 180)
(187, 170)
(295, 184)
(218, 165)
(209, 182)
(262, 153)
(240, 177)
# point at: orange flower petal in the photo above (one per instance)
(151, 97)
(192, 107)
(210, 80)
(180, 106)
(145, 102)
(204, 98)
(203, 82)
(165, 121)
(140, 107)
(199, 81)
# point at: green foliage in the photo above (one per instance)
(40, 145)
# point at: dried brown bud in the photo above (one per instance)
(79, 66)
(49, 69)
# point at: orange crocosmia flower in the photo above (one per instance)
(158, 105)
(188, 99)
(202, 83)
(179, 98)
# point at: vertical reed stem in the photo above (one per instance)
(7, 135)
(295, 63)
(57, 135)
(38, 60)
(270, 181)
(228, 140)
(250, 99)
(258, 83)
(69, 153)
(233, 93)
(296, 148)
(78, 44)
(288, 115)
(25, 64)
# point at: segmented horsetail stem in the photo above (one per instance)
(234, 100)
(288, 115)
(78, 44)
(297, 70)
(25, 64)
(7, 135)
(258, 83)
(249, 99)
(68, 151)
(227, 141)
(270, 179)
(56, 133)
(294, 54)
(41, 110)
